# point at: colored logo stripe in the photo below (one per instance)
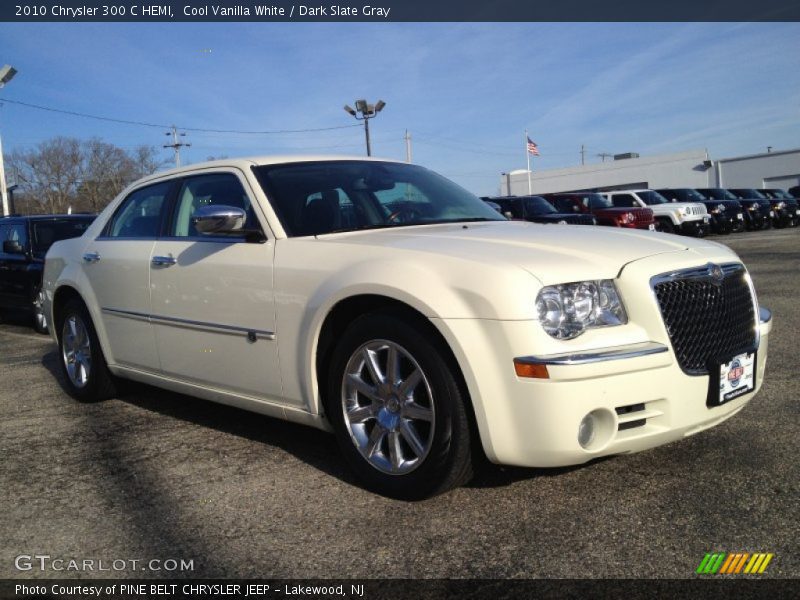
(733, 563)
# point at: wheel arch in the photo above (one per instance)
(350, 308)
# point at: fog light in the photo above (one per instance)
(586, 431)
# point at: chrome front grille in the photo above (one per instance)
(709, 313)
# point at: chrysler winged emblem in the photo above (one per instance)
(715, 273)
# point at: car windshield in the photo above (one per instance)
(47, 232)
(536, 205)
(314, 198)
(717, 194)
(748, 194)
(782, 194)
(652, 197)
(693, 195)
(598, 201)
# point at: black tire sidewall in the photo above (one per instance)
(450, 448)
(99, 384)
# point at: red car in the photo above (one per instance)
(603, 210)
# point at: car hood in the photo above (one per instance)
(551, 254)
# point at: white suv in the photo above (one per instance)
(380, 301)
(690, 218)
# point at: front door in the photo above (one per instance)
(212, 298)
(117, 264)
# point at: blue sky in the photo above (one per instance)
(466, 92)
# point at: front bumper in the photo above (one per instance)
(698, 227)
(629, 378)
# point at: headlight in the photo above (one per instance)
(626, 218)
(721, 207)
(683, 210)
(752, 207)
(562, 222)
(567, 310)
(780, 205)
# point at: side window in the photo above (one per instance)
(139, 216)
(624, 201)
(204, 190)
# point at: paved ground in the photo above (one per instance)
(159, 475)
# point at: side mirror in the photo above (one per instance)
(218, 218)
(508, 214)
(12, 247)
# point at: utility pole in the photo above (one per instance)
(7, 73)
(407, 138)
(176, 145)
(604, 155)
(367, 112)
(583, 154)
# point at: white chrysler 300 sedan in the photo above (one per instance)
(381, 301)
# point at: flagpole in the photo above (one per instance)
(528, 159)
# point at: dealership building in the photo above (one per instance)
(692, 169)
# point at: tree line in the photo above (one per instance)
(66, 174)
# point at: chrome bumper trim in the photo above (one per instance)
(595, 356)
(251, 334)
(764, 314)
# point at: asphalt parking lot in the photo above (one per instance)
(157, 475)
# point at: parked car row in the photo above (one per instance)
(686, 211)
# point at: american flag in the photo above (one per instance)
(532, 147)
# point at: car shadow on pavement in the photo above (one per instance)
(316, 448)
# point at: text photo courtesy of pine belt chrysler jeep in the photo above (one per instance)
(382, 302)
(689, 218)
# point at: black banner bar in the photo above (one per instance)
(716, 587)
(396, 10)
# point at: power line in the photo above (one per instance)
(162, 126)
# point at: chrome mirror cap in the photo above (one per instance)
(218, 218)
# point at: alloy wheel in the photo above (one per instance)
(76, 351)
(388, 407)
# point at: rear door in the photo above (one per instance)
(117, 264)
(213, 307)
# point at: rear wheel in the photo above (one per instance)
(82, 362)
(666, 226)
(398, 412)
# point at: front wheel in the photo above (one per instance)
(665, 226)
(397, 409)
(39, 318)
(82, 362)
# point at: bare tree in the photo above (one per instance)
(66, 173)
(50, 173)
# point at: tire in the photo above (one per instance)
(409, 439)
(39, 318)
(81, 359)
(666, 226)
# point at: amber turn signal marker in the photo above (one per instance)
(531, 370)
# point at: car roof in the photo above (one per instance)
(247, 162)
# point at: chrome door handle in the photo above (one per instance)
(162, 261)
(91, 257)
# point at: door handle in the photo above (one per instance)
(162, 261)
(91, 257)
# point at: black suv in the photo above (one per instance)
(781, 217)
(537, 210)
(726, 215)
(782, 200)
(25, 241)
(757, 213)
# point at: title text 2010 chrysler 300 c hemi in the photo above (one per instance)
(381, 301)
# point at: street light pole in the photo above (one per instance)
(366, 112)
(6, 74)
